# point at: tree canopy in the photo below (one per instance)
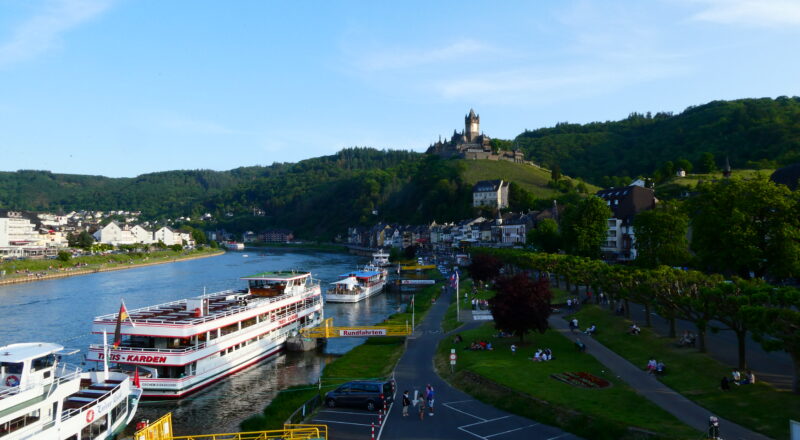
(584, 226)
(521, 305)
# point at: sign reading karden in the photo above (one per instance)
(363, 332)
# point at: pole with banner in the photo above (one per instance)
(413, 321)
(452, 359)
(458, 310)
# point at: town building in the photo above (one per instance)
(490, 193)
(625, 203)
(20, 236)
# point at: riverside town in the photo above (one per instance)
(573, 220)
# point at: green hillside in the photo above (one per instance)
(675, 186)
(532, 179)
(752, 133)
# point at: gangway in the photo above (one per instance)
(328, 330)
(418, 267)
(161, 429)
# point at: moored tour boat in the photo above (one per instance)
(182, 346)
(355, 286)
(380, 259)
(44, 399)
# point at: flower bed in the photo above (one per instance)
(581, 379)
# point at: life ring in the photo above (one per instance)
(12, 381)
(90, 416)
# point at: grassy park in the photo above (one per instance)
(759, 407)
(524, 387)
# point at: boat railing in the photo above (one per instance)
(72, 412)
(192, 348)
(63, 373)
(113, 316)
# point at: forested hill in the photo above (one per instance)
(751, 132)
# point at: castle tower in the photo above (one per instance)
(472, 124)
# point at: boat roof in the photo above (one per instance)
(361, 274)
(27, 350)
(349, 281)
(285, 275)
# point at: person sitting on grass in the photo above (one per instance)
(537, 357)
(751, 377)
(547, 354)
(660, 368)
(651, 365)
(591, 330)
(737, 376)
(725, 384)
(634, 330)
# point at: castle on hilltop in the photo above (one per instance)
(472, 144)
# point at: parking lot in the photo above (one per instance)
(348, 423)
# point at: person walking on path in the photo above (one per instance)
(429, 398)
(406, 403)
(421, 404)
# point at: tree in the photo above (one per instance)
(519, 199)
(521, 305)
(707, 163)
(64, 256)
(83, 240)
(774, 319)
(199, 236)
(746, 227)
(661, 237)
(583, 227)
(684, 165)
(545, 236)
(555, 173)
(484, 267)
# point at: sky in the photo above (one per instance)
(126, 87)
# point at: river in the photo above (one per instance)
(62, 311)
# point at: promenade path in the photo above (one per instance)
(457, 415)
(651, 388)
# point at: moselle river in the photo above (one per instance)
(62, 311)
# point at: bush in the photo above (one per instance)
(64, 256)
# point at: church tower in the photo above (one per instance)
(472, 123)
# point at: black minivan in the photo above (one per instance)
(367, 394)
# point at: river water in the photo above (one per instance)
(62, 311)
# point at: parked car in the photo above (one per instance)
(367, 394)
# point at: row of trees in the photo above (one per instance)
(743, 227)
(712, 303)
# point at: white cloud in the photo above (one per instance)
(759, 13)
(394, 58)
(43, 30)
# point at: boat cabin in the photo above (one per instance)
(25, 365)
(276, 283)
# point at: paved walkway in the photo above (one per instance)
(650, 387)
(457, 415)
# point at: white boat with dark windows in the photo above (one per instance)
(380, 259)
(42, 398)
(355, 286)
(182, 346)
(233, 246)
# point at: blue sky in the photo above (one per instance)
(125, 87)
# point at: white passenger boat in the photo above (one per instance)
(185, 345)
(380, 259)
(234, 246)
(355, 286)
(44, 399)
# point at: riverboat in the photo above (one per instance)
(355, 286)
(42, 398)
(183, 346)
(380, 259)
(233, 246)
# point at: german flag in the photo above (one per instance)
(121, 316)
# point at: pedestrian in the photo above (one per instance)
(569, 303)
(574, 324)
(406, 403)
(429, 398)
(513, 349)
(421, 406)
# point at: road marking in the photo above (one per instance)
(485, 421)
(347, 412)
(462, 401)
(385, 420)
(343, 423)
(512, 430)
(463, 412)
(470, 432)
(558, 436)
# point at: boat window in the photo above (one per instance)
(248, 322)
(43, 362)
(11, 367)
(119, 411)
(230, 329)
(98, 427)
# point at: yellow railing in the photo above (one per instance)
(327, 330)
(162, 430)
(418, 267)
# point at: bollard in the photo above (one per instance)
(373, 431)
(380, 417)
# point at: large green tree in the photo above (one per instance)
(746, 227)
(661, 237)
(584, 226)
(545, 236)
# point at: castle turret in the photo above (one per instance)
(472, 124)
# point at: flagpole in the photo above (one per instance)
(412, 315)
(458, 300)
(105, 356)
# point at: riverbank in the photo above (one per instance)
(22, 272)
(374, 359)
(312, 246)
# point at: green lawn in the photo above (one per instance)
(691, 180)
(530, 178)
(759, 407)
(601, 413)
